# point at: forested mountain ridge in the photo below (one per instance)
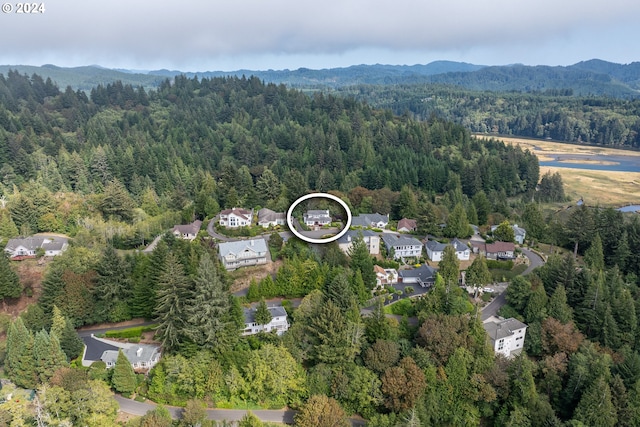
(593, 77)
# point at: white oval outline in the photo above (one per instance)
(312, 196)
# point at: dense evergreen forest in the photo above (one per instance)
(116, 167)
(552, 113)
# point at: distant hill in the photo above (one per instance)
(594, 77)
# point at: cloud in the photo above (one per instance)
(147, 31)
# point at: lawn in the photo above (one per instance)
(507, 275)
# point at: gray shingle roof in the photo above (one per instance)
(503, 329)
(48, 243)
(394, 240)
(352, 234)
(424, 273)
(435, 246)
(135, 354)
(459, 246)
(250, 313)
(226, 248)
(365, 220)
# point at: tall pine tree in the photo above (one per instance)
(171, 310)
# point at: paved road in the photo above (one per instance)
(274, 416)
(212, 231)
(535, 260)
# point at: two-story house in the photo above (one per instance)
(242, 253)
(314, 218)
(278, 321)
(236, 217)
(371, 239)
(401, 246)
(505, 335)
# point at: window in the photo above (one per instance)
(501, 344)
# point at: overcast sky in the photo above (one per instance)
(210, 35)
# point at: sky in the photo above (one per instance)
(211, 35)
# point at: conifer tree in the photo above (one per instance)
(10, 286)
(8, 228)
(123, 378)
(595, 407)
(558, 307)
(594, 256)
(263, 316)
(48, 355)
(207, 309)
(361, 260)
(19, 362)
(173, 293)
(144, 291)
(62, 328)
(112, 287)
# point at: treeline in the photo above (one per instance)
(555, 114)
(233, 129)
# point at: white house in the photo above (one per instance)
(371, 239)
(316, 218)
(278, 321)
(462, 250)
(435, 250)
(506, 335)
(236, 217)
(141, 356)
(268, 218)
(402, 246)
(370, 220)
(242, 253)
(188, 231)
(28, 246)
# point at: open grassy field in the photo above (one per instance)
(596, 187)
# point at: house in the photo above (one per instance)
(236, 217)
(188, 231)
(407, 225)
(268, 218)
(28, 246)
(316, 218)
(385, 276)
(435, 250)
(462, 250)
(424, 275)
(370, 221)
(402, 246)
(519, 233)
(371, 239)
(278, 321)
(242, 253)
(141, 356)
(505, 335)
(500, 250)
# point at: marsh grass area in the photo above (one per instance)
(596, 187)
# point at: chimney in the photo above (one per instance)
(139, 352)
(251, 242)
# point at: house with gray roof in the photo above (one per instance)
(28, 246)
(268, 218)
(141, 356)
(278, 322)
(375, 220)
(187, 231)
(371, 239)
(243, 253)
(424, 275)
(402, 246)
(505, 335)
(435, 250)
(462, 249)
